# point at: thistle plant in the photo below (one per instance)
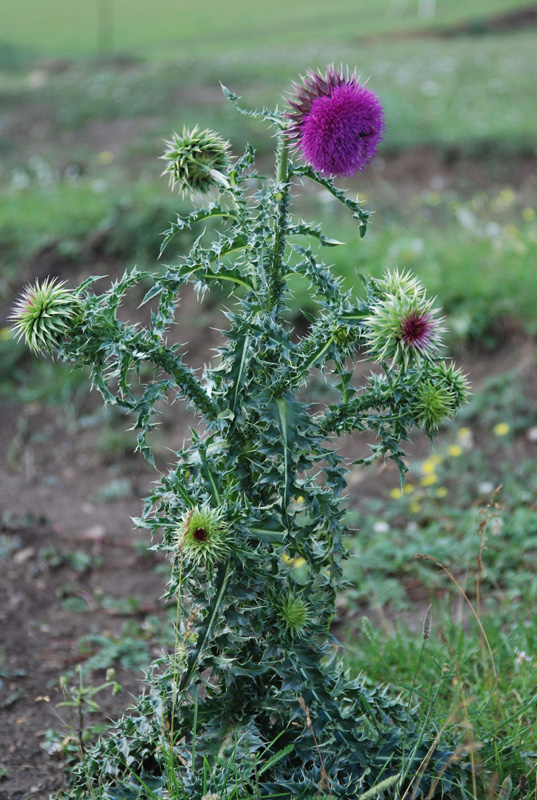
(255, 680)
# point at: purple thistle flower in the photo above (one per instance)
(336, 123)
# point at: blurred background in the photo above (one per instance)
(88, 92)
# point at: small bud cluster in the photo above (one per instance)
(439, 396)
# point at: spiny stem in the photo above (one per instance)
(282, 163)
(221, 583)
(275, 276)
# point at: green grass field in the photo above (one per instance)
(173, 27)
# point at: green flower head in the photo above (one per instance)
(203, 536)
(196, 161)
(396, 283)
(44, 314)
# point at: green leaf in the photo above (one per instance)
(199, 215)
(306, 229)
(359, 213)
(266, 535)
(276, 117)
(276, 757)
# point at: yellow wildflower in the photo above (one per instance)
(295, 562)
(428, 480)
(408, 488)
(441, 491)
(528, 214)
(506, 197)
(454, 450)
(501, 429)
(395, 494)
(430, 464)
(106, 157)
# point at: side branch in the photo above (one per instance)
(350, 416)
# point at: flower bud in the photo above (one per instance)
(196, 161)
(433, 406)
(453, 379)
(203, 536)
(44, 314)
(403, 325)
(294, 614)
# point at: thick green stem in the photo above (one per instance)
(222, 581)
(282, 163)
(275, 275)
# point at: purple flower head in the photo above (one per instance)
(336, 123)
(418, 330)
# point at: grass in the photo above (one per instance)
(487, 707)
(466, 92)
(436, 512)
(172, 27)
(474, 255)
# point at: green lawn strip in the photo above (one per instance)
(174, 28)
(477, 264)
(486, 541)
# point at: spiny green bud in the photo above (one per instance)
(196, 161)
(203, 536)
(433, 405)
(345, 335)
(403, 326)
(395, 282)
(453, 379)
(295, 614)
(44, 314)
